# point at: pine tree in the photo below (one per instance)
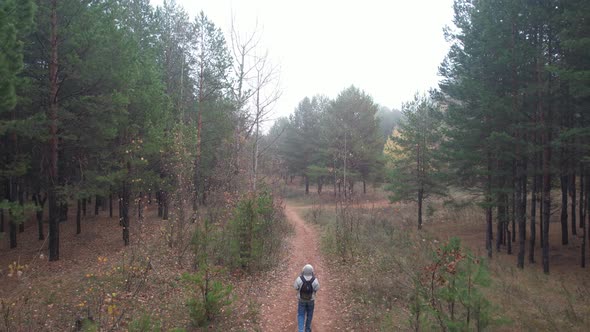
(416, 170)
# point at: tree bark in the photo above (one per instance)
(583, 220)
(521, 195)
(125, 213)
(306, 184)
(12, 225)
(21, 202)
(39, 203)
(533, 215)
(489, 212)
(110, 205)
(572, 189)
(53, 140)
(546, 195)
(582, 196)
(420, 199)
(564, 178)
(97, 203)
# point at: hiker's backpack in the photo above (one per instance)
(306, 290)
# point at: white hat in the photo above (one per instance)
(308, 270)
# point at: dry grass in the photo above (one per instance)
(381, 271)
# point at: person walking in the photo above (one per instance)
(307, 286)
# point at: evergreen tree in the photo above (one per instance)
(416, 171)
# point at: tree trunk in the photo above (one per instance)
(79, 217)
(63, 211)
(564, 190)
(198, 155)
(489, 216)
(500, 229)
(21, 202)
(1, 221)
(120, 198)
(160, 203)
(521, 196)
(110, 205)
(582, 197)
(39, 203)
(533, 215)
(513, 201)
(364, 186)
(306, 184)
(97, 203)
(84, 200)
(420, 199)
(125, 213)
(507, 225)
(165, 205)
(584, 221)
(573, 194)
(546, 196)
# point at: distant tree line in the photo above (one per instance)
(332, 142)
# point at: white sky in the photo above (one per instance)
(388, 48)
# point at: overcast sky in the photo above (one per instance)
(388, 48)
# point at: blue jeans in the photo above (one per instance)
(303, 309)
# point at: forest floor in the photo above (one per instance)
(95, 268)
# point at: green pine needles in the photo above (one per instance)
(210, 296)
(449, 292)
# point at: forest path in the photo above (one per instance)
(279, 307)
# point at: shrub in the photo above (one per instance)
(447, 294)
(209, 296)
(256, 230)
(144, 324)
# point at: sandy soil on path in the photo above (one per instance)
(279, 307)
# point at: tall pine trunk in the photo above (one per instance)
(489, 216)
(564, 178)
(97, 203)
(521, 195)
(12, 223)
(546, 191)
(584, 221)
(582, 196)
(573, 196)
(110, 205)
(39, 203)
(53, 175)
(125, 195)
(420, 200)
(21, 202)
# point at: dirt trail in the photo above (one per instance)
(279, 308)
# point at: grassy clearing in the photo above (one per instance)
(381, 251)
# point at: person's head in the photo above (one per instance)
(308, 270)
